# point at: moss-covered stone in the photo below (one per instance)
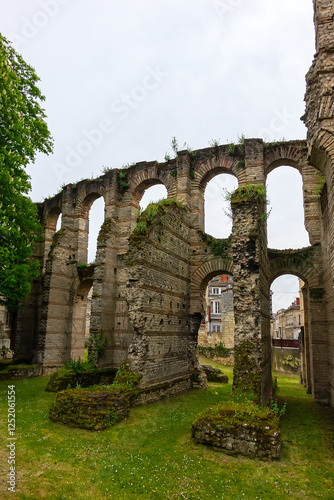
(219, 247)
(240, 428)
(92, 410)
(154, 212)
(246, 373)
(126, 381)
(215, 374)
(99, 406)
(64, 378)
(249, 192)
(17, 372)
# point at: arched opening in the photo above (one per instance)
(286, 228)
(53, 224)
(153, 194)
(59, 222)
(217, 209)
(96, 219)
(287, 325)
(81, 320)
(216, 333)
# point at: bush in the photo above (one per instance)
(218, 350)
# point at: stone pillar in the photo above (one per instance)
(227, 318)
(254, 161)
(306, 360)
(183, 177)
(59, 289)
(252, 370)
(319, 356)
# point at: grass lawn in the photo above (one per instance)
(151, 455)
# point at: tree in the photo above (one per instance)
(23, 133)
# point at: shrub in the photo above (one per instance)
(218, 350)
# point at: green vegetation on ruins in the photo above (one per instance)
(123, 184)
(218, 350)
(321, 181)
(249, 192)
(153, 212)
(151, 455)
(220, 247)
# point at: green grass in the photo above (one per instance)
(151, 455)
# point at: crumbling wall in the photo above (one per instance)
(319, 119)
(158, 297)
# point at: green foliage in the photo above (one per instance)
(126, 381)
(153, 212)
(249, 192)
(174, 173)
(219, 350)
(214, 143)
(86, 375)
(291, 361)
(4, 351)
(23, 133)
(82, 265)
(174, 145)
(238, 149)
(275, 408)
(105, 169)
(219, 246)
(191, 152)
(96, 347)
(192, 173)
(111, 418)
(320, 183)
(78, 365)
(167, 157)
(123, 184)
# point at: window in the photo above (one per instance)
(216, 328)
(216, 291)
(216, 307)
(7, 320)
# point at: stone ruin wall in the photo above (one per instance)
(176, 269)
(319, 121)
(149, 299)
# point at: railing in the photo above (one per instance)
(285, 343)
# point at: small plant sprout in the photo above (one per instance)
(174, 145)
(274, 407)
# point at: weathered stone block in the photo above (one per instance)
(215, 374)
(64, 378)
(89, 410)
(238, 428)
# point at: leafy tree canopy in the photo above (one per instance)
(23, 133)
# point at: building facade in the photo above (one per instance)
(287, 323)
(219, 320)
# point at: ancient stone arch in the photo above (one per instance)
(148, 273)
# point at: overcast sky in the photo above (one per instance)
(122, 78)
